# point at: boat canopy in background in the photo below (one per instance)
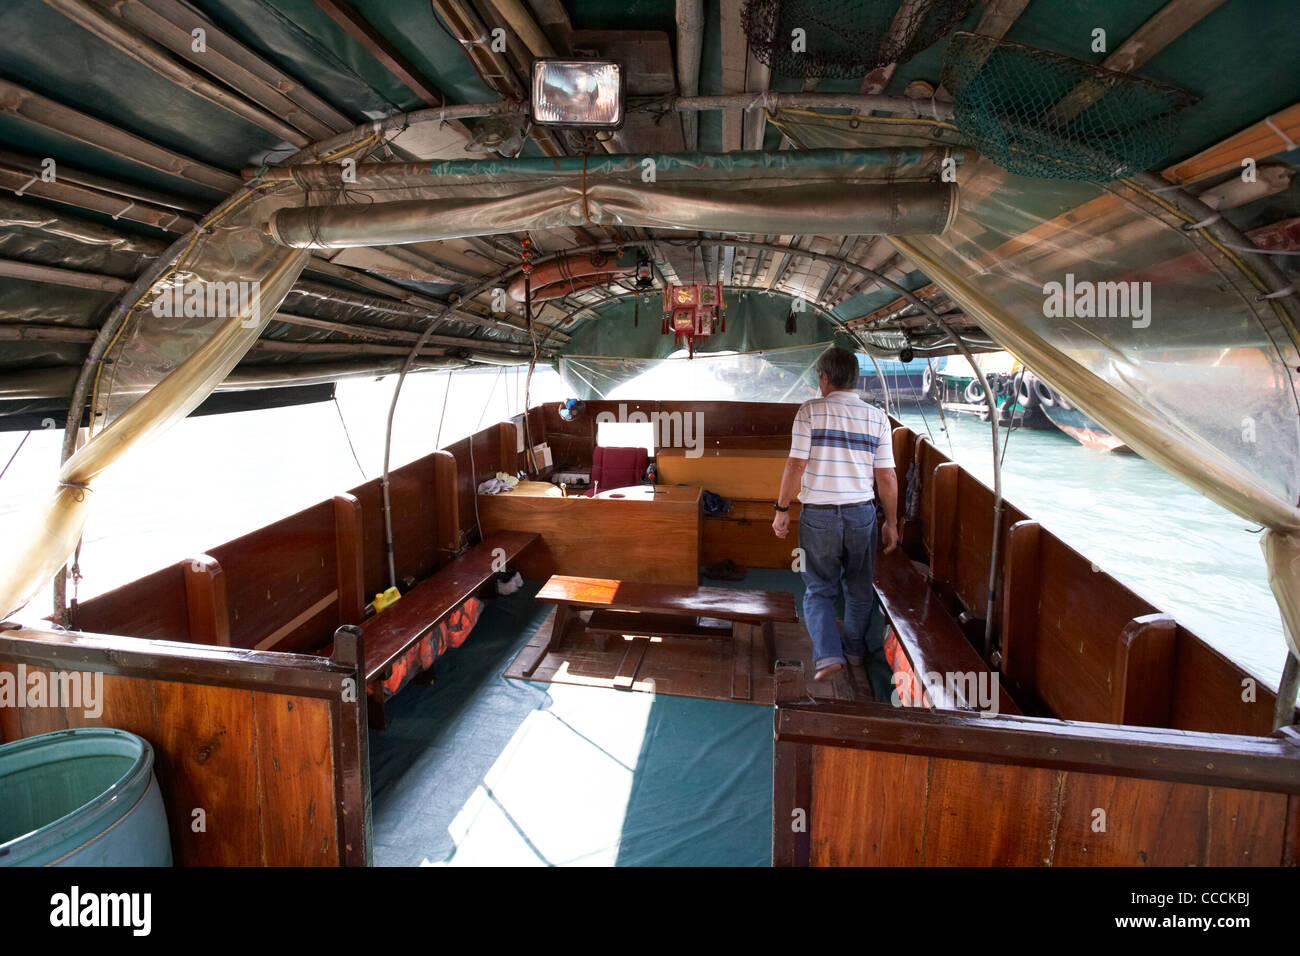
(773, 375)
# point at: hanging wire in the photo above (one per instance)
(15, 454)
(344, 423)
(437, 442)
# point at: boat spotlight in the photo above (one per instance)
(577, 93)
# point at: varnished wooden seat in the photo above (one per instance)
(390, 633)
(931, 638)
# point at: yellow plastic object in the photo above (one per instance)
(388, 597)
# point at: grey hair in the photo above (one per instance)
(840, 367)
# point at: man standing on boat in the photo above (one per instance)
(841, 460)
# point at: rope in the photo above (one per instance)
(80, 487)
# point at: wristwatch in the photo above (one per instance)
(777, 507)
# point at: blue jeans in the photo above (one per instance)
(839, 550)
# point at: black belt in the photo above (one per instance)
(849, 504)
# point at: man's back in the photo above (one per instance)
(843, 439)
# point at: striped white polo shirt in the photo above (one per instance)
(843, 439)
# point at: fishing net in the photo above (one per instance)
(1041, 114)
(844, 38)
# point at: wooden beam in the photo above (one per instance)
(66, 192)
(377, 45)
(13, 269)
(1142, 676)
(169, 23)
(44, 112)
(161, 62)
(1169, 23)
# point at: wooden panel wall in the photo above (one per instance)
(273, 776)
(593, 538)
(1082, 614)
(724, 424)
(873, 808)
(1211, 693)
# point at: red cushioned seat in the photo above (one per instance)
(616, 468)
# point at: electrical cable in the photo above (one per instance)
(344, 423)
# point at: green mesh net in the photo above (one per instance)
(844, 38)
(1038, 113)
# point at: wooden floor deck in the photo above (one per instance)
(711, 669)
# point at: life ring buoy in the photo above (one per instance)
(560, 277)
(927, 382)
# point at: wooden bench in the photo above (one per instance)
(932, 640)
(662, 610)
(390, 633)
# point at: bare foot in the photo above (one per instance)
(830, 670)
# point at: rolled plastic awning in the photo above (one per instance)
(849, 192)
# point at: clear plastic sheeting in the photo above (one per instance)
(217, 276)
(1157, 318)
(773, 375)
(38, 553)
(1159, 336)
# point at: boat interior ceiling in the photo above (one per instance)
(217, 204)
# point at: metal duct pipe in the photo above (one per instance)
(690, 46)
(832, 208)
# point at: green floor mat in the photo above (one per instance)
(481, 770)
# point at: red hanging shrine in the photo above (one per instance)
(693, 311)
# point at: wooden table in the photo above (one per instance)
(659, 610)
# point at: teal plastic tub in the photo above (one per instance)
(83, 797)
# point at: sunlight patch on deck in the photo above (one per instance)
(558, 794)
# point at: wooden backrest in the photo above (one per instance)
(478, 458)
(153, 606)
(1085, 644)
(281, 582)
(723, 424)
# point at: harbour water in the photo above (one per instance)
(215, 477)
